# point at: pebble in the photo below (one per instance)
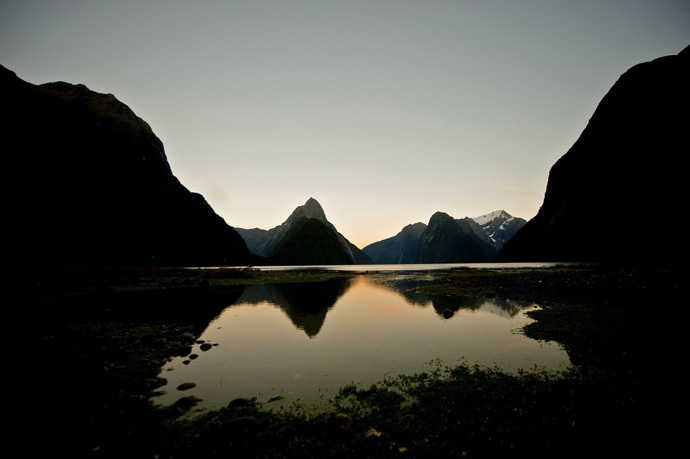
(186, 386)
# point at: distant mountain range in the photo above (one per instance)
(448, 240)
(305, 238)
(89, 185)
(308, 238)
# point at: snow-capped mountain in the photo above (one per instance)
(448, 240)
(499, 226)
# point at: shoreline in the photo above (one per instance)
(103, 335)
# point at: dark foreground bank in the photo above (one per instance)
(98, 339)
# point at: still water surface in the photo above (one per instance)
(303, 341)
(413, 266)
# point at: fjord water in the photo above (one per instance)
(303, 341)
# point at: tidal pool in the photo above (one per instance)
(304, 341)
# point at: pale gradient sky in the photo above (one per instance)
(383, 111)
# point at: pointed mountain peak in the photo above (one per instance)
(312, 209)
(439, 216)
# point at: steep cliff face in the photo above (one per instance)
(626, 164)
(90, 185)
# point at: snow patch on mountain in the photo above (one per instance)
(486, 218)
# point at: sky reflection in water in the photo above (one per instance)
(306, 340)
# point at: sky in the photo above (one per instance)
(384, 111)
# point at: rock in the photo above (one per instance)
(186, 386)
(447, 313)
(186, 403)
(239, 402)
(184, 350)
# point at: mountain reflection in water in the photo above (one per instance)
(306, 304)
(347, 329)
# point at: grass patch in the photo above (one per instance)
(464, 411)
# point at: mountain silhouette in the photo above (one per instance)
(399, 249)
(447, 240)
(305, 238)
(622, 174)
(90, 185)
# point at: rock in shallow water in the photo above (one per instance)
(186, 403)
(239, 402)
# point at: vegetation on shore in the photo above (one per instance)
(104, 334)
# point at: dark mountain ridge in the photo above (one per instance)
(305, 238)
(398, 249)
(626, 163)
(447, 240)
(90, 185)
